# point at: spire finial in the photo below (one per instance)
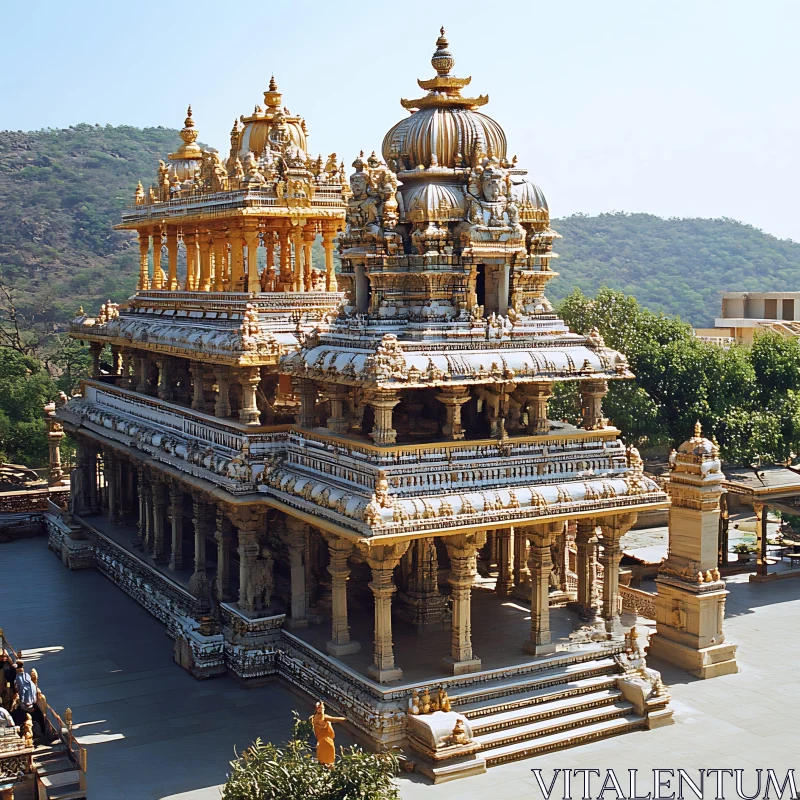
(442, 60)
(273, 87)
(698, 429)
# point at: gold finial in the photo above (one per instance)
(272, 97)
(698, 430)
(442, 60)
(189, 134)
(81, 312)
(273, 87)
(68, 719)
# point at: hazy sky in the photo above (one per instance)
(667, 106)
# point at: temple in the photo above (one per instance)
(300, 471)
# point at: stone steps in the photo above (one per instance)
(525, 715)
(527, 732)
(62, 786)
(524, 700)
(558, 741)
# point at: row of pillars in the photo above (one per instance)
(226, 259)
(213, 389)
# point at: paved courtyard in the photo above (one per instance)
(154, 732)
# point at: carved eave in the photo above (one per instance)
(445, 101)
(444, 83)
(429, 367)
(481, 509)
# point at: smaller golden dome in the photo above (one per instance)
(433, 201)
(185, 162)
(528, 195)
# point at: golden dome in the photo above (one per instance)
(271, 123)
(528, 195)
(445, 130)
(453, 135)
(433, 201)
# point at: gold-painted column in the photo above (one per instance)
(308, 241)
(205, 262)
(285, 276)
(297, 246)
(219, 269)
(328, 235)
(144, 266)
(172, 259)
(190, 243)
(269, 242)
(237, 260)
(251, 239)
(158, 273)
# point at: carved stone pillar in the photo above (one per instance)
(143, 383)
(176, 502)
(198, 395)
(296, 540)
(55, 434)
(147, 538)
(222, 406)
(224, 538)
(462, 549)
(452, 399)
(422, 604)
(505, 578)
(116, 360)
(297, 247)
(613, 529)
(339, 550)
(237, 260)
(249, 378)
(307, 390)
(308, 241)
(218, 251)
(538, 396)
(144, 267)
(762, 517)
(95, 349)
(328, 236)
(159, 523)
(383, 404)
(111, 468)
(166, 378)
(198, 583)
(190, 243)
(586, 546)
(127, 380)
(93, 493)
(158, 274)
(205, 262)
(141, 519)
(255, 572)
(592, 394)
(522, 575)
(172, 259)
(382, 560)
(540, 564)
(285, 274)
(251, 239)
(338, 421)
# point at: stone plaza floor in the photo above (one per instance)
(154, 732)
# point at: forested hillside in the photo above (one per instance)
(678, 266)
(61, 192)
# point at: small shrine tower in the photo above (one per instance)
(690, 606)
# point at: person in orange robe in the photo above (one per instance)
(323, 730)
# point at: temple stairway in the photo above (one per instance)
(548, 710)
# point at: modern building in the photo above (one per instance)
(746, 313)
(297, 470)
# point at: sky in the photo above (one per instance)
(671, 107)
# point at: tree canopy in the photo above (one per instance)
(748, 397)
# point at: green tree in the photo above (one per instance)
(290, 772)
(25, 386)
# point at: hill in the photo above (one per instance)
(62, 191)
(678, 266)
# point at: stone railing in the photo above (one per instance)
(206, 428)
(453, 466)
(638, 602)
